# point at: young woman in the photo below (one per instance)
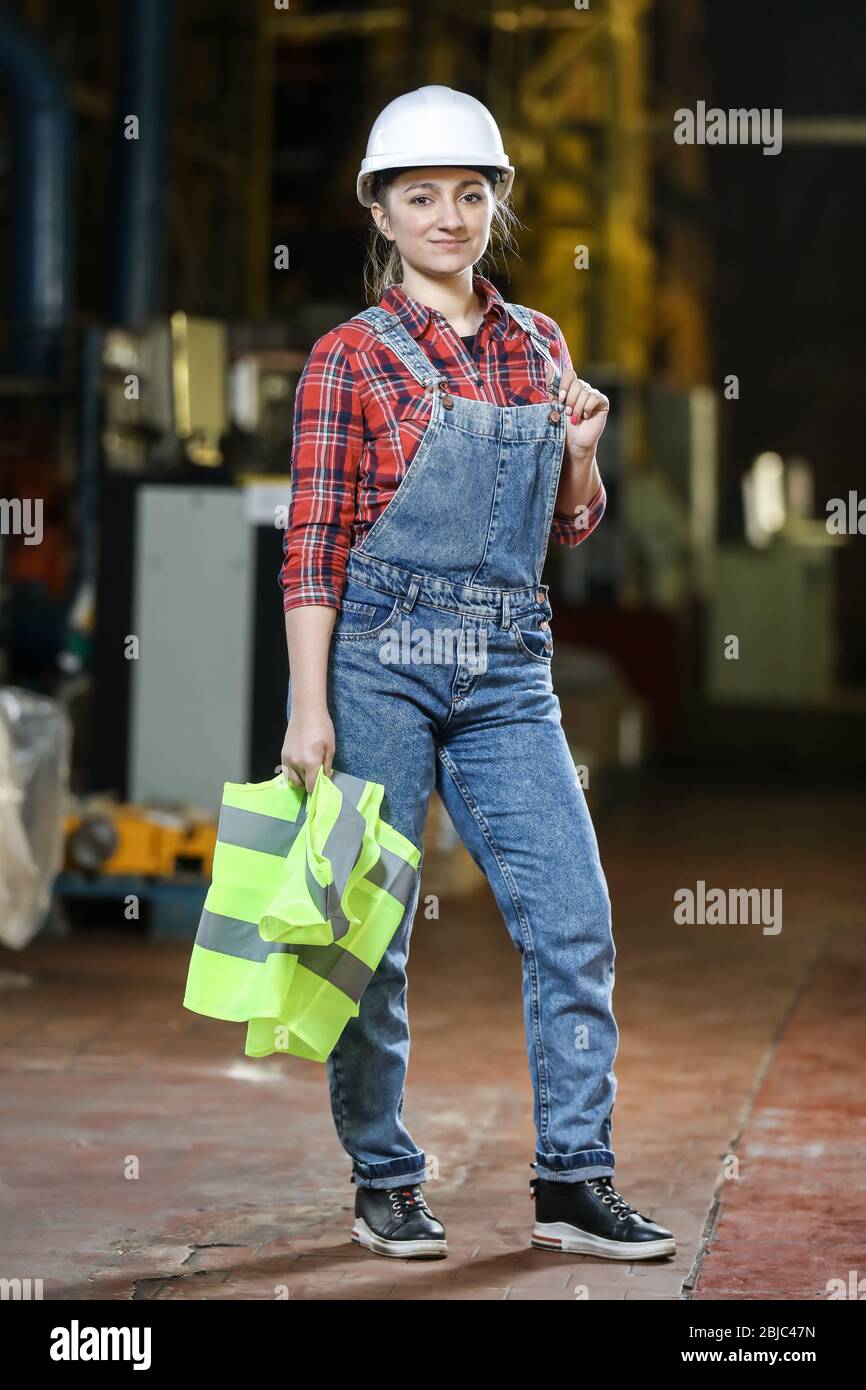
(441, 439)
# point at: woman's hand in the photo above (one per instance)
(308, 745)
(586, 416)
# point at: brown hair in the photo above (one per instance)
(384, 266)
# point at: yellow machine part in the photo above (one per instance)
(145, 845)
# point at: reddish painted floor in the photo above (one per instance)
(791, 1220)
(145, 1157)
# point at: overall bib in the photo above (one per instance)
(439, 675)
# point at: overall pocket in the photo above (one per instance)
(364, 617)
(532, 639)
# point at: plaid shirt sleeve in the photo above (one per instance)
(564, 528)
(327, 445)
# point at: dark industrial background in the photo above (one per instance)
(154, 259)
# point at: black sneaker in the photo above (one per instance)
(397, 1221)
(592, 1218)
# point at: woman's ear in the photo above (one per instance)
(381, 221)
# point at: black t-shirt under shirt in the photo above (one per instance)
(469, 340)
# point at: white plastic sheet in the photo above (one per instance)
(35, 743)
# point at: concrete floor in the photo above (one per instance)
(733, 1043)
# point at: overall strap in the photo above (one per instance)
(390, 329)
(524, 317)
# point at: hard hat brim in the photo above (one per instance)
(375, 165)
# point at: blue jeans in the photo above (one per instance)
(503, 770)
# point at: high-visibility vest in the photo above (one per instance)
(306, 894)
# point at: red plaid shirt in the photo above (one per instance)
(359, 416)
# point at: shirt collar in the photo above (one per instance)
(416, 316)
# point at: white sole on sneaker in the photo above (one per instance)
(558, 1235)
(400, 1249)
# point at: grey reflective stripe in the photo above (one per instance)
(393, 874)
(318, 894)
(252, 830)
(334, 911)
(343, 848)
(339, 967)
(232, 936)
(352, 787)
(390, 871)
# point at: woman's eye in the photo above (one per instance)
(423, 197)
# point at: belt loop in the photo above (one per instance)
(408, 601)
(506, 612)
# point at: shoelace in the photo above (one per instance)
(405, 1200)
(604, 1188)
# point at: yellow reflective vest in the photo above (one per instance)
(306, 893)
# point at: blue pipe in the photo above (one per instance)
(136, 240)
(40, 250)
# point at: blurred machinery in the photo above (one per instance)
(190, 390)
(772, 615)
(190, 525)
(771, 631)
(164, 385)
(108, 838)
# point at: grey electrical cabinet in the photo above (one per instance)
(780, 605)
(192, 615)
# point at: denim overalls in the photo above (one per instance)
(439, 675)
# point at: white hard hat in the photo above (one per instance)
(434, 125)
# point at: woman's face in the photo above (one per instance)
(439, 217)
